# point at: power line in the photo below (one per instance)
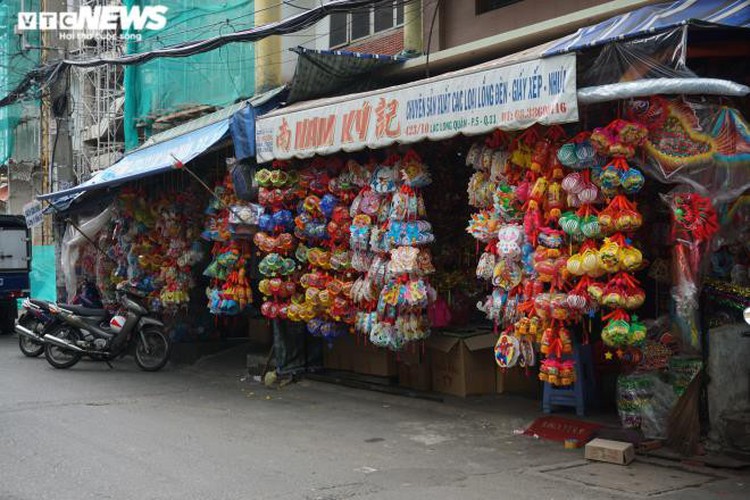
(291, 24)
(46, 74)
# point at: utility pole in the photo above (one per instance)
(44, 129)
(268, 50)
(413, 37)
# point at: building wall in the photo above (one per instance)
(459, 23)
(388, 43)
(314, 37)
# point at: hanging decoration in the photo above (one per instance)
(617, 256)
(389, 236)
(156, 246)
(694, 223)
(230, 224)
(527, 227)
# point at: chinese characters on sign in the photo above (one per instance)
(510, 98)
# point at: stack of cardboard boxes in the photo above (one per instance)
(459, 363)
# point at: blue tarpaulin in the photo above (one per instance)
(656, 18)
(242, 124)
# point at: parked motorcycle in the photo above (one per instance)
(83, 332)
(30, 327)
(37, 319)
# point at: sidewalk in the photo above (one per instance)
(210, 432)
(482, 434)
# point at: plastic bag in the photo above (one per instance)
(644, 402)
(703, 145)
(71, 241)
(243, 179)
(630, 60)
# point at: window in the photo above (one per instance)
(383, 18)
(483, 6)
(348, 27)
(338, 29)
(360, 24)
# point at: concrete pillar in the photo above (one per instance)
(268, 50)
(413, 41)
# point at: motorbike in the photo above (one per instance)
(83, 332)
(37, 319)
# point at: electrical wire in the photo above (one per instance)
(292, 24)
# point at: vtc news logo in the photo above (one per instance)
(100, 18)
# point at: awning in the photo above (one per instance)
(330, 72)
(656, 18)
(184, 142)
(476, 100)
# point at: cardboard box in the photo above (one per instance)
(368, 359)
(415, 370)
(518, 381)
(605, 450)
(340, 354)
(463, 363)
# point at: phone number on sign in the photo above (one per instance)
(532, 113)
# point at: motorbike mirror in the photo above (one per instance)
(746, 314)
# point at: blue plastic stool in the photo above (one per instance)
(581, 395)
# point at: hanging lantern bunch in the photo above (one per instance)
(369, 212)
(322, 227)
(155, 244)
(396, 283)
(497, 225)
(278, 194)
(525, 230)
(228, 224)
(618, 258)
(548, 311)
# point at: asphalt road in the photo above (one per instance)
(204, 433)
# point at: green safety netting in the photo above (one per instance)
(166, 85)
(15, 62)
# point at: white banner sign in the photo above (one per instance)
(509, 98)
(34, 213)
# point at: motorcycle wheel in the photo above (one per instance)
(59, 357)
(152, 354)
(28, 346)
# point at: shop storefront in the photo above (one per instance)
(590, 223)
(542, 223)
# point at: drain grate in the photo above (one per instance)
(638, 478)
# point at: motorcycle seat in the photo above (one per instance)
(84, 311)
(40, 303)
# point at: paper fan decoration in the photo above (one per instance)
(507, 351)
